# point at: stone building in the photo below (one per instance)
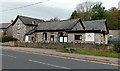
(70, 31)
(3, 28)
(21, 25)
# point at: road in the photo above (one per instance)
(22, 60)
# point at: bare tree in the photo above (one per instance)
(85, 6)
(84, 9)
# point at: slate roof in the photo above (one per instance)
(55, 25)
(28, 20)
(4, 25)
(58, 25)
(95, 25)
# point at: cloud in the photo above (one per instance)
(38, 11)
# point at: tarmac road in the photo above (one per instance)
(22, 60)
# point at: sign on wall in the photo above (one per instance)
(89, 36)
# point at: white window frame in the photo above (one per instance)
(26, 38)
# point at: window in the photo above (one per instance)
(18, 33)
(64, 39)
(1, 30)
(78, 37)
(52, 38)
(44, 36)
(18, 24)
(26, 38)
(33, 39)
(60, 34)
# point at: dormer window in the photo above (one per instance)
(33, 22)
(18, 24)
(18, 33)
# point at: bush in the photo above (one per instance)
(7, 38)
(116, 47)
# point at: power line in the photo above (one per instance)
(24, 6)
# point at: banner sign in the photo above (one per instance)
(89, 36)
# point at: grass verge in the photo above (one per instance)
(91, 52)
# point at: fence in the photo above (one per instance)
(113, 39)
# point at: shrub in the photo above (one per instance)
(116, 47)
(7, 38)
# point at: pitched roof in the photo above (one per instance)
(29, 20)
(58, 25)
(55, 25)
(4, 25)
(95, 25)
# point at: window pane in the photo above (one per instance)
(65, 39)
(61, 39)
(78, 37)
(45, 36)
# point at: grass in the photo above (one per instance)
(91, 52)
(85, 51)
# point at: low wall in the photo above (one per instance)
(61, 45)
(11, 43)
(56, 45)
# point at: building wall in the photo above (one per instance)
(19, 30)
(71, 38)
(99, 38)
(39, 36)
(114, 33)
(9, 31)
(77, 27)
(1, 32)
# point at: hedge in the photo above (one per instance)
(7, 38)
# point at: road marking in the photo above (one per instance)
(48, 64)
(45, 54)
(8, 55)
(77, 59)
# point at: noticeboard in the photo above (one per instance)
(89, 36)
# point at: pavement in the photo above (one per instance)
(53, 53)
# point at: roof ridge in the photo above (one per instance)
(95, 20)
(29, 17)
(62, 20)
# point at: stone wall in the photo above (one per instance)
(99, 38)
(19, 30)
(61, 45)
(11, 43)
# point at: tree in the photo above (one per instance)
(11, 21)
(98, 12)
(54, 19)
(85, 6)
(83, 10)
(74, 15)
(113, 18)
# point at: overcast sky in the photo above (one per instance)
(52, 8)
